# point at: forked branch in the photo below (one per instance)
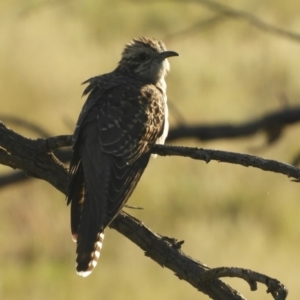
(36, 159)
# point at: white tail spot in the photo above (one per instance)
(94, 256)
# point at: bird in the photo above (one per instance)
(124, 116)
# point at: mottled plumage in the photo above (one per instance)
(124, 115)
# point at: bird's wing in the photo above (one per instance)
(131, 121)
(76, 187)
(111, 151)
(97, 86)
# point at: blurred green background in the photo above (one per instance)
(228, 215)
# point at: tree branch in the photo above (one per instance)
(245, 160)
(197, 27)
(272, 123)
(227, 11)
(278, 290)
(34, 158)
(167, 253)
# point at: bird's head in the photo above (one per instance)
(146, 58)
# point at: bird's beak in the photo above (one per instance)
(167, 54)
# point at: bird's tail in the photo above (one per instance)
(86, 263)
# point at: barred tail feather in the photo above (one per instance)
(85, 265)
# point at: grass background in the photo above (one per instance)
(228, 215)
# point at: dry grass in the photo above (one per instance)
(228, 215)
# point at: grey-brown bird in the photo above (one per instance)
(124, 116)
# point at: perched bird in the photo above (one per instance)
(124, 116)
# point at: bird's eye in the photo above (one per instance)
(143, 56)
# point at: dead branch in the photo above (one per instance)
(34, 157)
(278, 290)
(271, 123)
(245, 160)
(29, 155)
(229, 12)
(167, 253)
(197, 27)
